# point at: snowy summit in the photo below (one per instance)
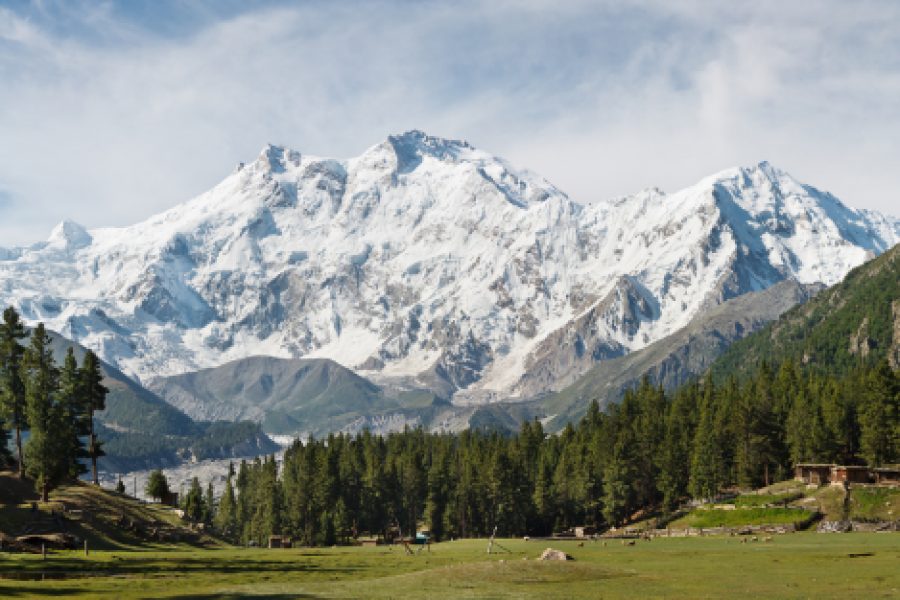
(429, 263)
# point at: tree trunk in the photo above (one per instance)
(19, 449)
(45, 492)
(93, 454)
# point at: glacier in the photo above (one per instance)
(427, 263)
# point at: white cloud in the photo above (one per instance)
(107, 121)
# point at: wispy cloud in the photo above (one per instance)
(110, 112)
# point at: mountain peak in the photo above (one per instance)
(770, 171)
(71, 235)
(277, 158)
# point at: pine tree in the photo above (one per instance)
(617, 485)
(438, 496)
(46, 449)
(225, 516)
(209, 508)
(94, 400)
(12, 388)
(193, 501)
(672, 460)
(120, 487)
(72, 400)
(879, 416)
(157, 485)
(706, 467)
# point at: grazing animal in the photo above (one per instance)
(604, 544)
(743, 540)
(754, 539)
(767, 539)
(580, 544)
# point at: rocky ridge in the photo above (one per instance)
(427, 263)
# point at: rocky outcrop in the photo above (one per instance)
(861, 343)
(551, 554)
(894, 352)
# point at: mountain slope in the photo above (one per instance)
(687, 353)
(428, 263)
(140, 430)
(287, 395)
(855, 321)
(129, 407)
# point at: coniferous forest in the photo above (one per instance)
(55, 405)
(652, 451)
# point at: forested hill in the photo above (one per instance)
(854, 323)
(140, 430)
(676, 359)
(129, 406)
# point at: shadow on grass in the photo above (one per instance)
(71, 592)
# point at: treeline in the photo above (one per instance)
(652, 451)
(56, 405)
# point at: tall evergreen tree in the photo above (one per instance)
(879, 416)
(226, 513)
(94, 400)
(209, 507)
(193, 501)
(47, 447)
(12, 388)
(706, 464)
(617, 485)
(72, 400)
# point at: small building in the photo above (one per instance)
(814, 474)
(885, 475)
(276, 541)
(170, 499)
(585, 531)
(849, 474)
(369, 541)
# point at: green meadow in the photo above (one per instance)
(793, 565)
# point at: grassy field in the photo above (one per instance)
(808, 565)
(761, 500)
(736, 518)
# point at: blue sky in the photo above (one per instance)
(113, 111)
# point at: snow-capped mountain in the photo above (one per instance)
(428, 263)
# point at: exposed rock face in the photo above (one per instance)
(861, 343)
(687, 353)
(894, 353)
(430, 262)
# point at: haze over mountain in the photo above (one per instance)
(426, 263)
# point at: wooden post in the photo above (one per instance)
(491, 544)
(43, 551)
(86, 553)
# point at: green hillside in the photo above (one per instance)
(853, 323)
(129, 407)
(140, 430)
